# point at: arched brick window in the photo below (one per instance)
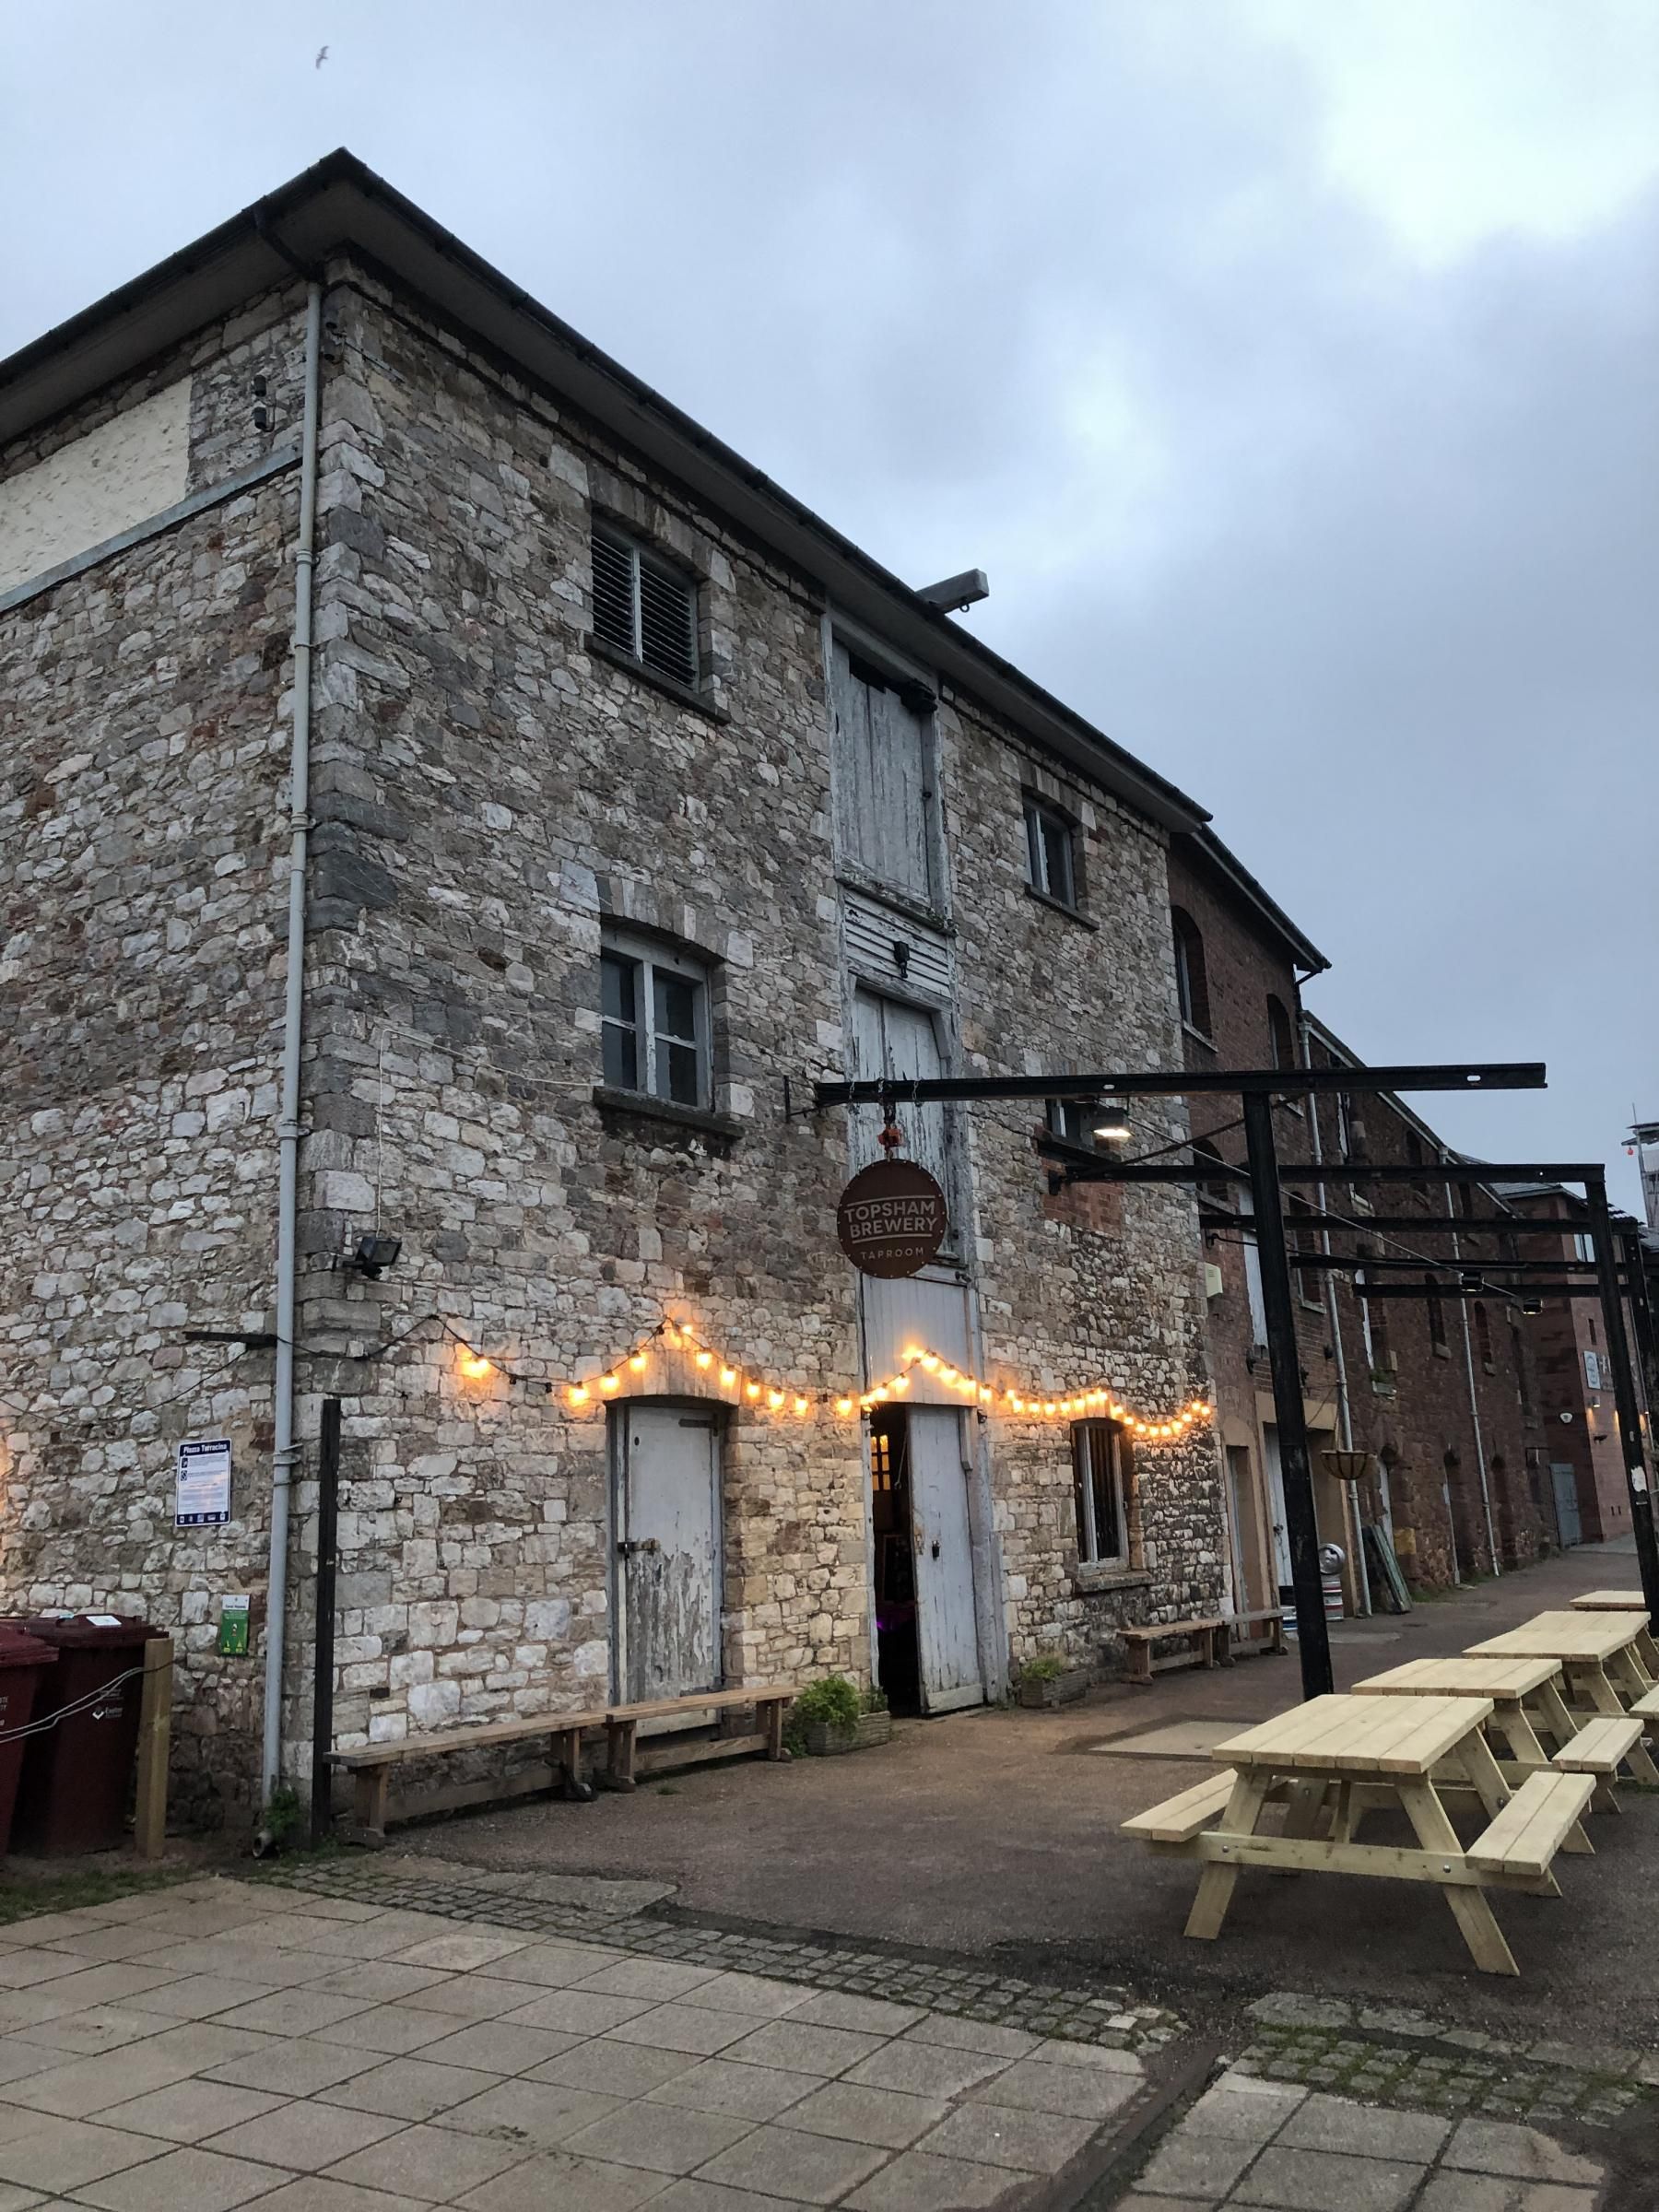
(1281, 1035)
(1192, 983)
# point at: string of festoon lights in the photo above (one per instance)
(744, 1385)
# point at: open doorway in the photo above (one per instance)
(926, 1634)
(897, 1655)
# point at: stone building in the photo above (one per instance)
(1442, 1392)
(626, 799)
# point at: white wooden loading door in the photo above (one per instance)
(947, 1641)
(666, 1518)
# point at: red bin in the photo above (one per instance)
(24, 1659)
(73, 1792)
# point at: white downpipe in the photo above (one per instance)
(1468, 1337)
(286, 1451)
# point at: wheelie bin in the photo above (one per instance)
(71, 1795)
(24, 1659)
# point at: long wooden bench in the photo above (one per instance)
(1274, 1618)
(1207, 1634)
(1527, 1834)
(1179, 1819)
(372, 1765)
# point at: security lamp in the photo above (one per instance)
(1111, 1124)
(374, 1254)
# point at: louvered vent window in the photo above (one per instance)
(644, 607)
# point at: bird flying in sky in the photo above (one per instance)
(321, 57)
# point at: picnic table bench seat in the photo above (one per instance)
(1599, 1749)
(1523, 1839)
(371, 1766)
(1178, 1819)
(1646, 1707)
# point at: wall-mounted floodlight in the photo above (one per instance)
(954, 592)
(1111, 1123)
(374, 1254)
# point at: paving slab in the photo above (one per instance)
(310, 2193)
(925, 2069)
(990, 2134)
(797, 2048)
(305, 2136)
(1029, 2084)
(864, 2015)
(183, 2181)
(497, 2048)
(715, 2085)
(553, 2182)
(77, 2089)
(663, 2138)
(577, 2011)
(406, 2089)
(1369, 2131)
(298, 2066)
(782, 2161)
(1318, 2181)
(1242, 2110)
(885, 2118)
(1201, 2166)
(186, 2111)
(64, 2155)
(1449, 2192)
(698, 2030)
(1494, 2146)
(917, 2182)
(433, 2163)
(539, 2114)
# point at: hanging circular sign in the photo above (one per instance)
(892, 1218)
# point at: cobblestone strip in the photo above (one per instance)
(1109, 2017)
(1389, 2056)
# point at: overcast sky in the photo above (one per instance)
(1289, 364)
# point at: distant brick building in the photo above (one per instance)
(637, 799)
(1441, 1391)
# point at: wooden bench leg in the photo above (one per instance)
(619, 1754)
(370, 1788)
(775, 1711)
(1215, 1883)
(1140, 1660)
(1212, 1639)
(567, 1765)
(1469, 1907)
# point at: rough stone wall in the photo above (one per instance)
(1587, 1440)
(1098, 1287)
(486, 790)
(142, 744)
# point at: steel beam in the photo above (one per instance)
(1181, 1083)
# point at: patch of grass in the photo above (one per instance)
(21, 1896)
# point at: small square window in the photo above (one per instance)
(1049, 858)
(654, 1005)
(644, 605)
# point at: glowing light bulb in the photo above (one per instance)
(930, 1360)
(947, 1375)
(705, 1358)
(986, 1394)
(881, 1394)
(1050, 1408)
(774, 1398)
(608, 1382)
(728, 1375)
(577, 1394)
(844, 1406)
(801, 1405)
(476, 1366)
(1017, 1403)
(900, 1383)
(638, 1363)
(913, 1352)
(751, 1390)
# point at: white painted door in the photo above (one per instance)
(667, 1550)
(1276, 1506)
(947, 1642)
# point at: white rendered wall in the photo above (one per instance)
(122, 473)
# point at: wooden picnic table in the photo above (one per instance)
(1525, 1694)
(1397, 1747)
(1597, 1651)
(1624, 1601)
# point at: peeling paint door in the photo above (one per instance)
(946, 1638)
(1563, 1479)
(668, 1551)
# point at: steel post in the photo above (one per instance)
(1296, 1471)
(1616, 1348)
(328, 1555)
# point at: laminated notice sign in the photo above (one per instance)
(201, 1498)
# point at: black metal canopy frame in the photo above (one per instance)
(1257, 1088)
